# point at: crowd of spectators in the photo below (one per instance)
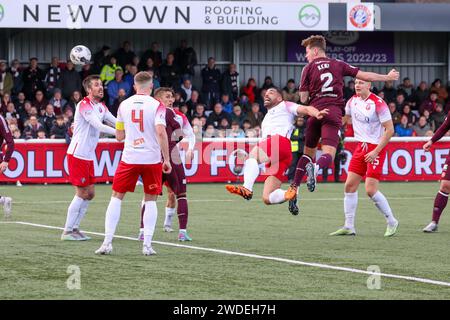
(39, 103)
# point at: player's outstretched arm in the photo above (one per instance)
(387, 135)
(440, 132)
(110, 119)
(97, 124)
(164, 143)
(393, 75)
(312, 112)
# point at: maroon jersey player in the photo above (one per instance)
(321, 86)
(440, 202)
(5, 135)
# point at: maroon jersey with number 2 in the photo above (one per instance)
(323, 78)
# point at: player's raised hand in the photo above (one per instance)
(427, 145)
(167, 168)
(3, 166)
(393, 75)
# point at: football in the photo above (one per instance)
(80, 55)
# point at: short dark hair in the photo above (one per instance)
(87, 82)
(278, 90)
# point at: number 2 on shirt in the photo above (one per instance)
(139, 120)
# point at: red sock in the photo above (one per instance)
(324, 161)
(300, 170)
(182, 212)
(440, 202)
(142, 216)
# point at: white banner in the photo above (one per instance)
(360, 16)
(176, 15)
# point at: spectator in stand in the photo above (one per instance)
(170, 75)
(403, 129)
(260, 101)
(203, 121)
(100, 59)
(396, 116)
(156, 83)
(427, 116)
(19, 102)
(178, 100)
(400, 101)
(74, 100)
(48, 119)
(349, 90)
(216, 116)
(230, 82)
(41, 134)
(255, 116)
(186, 89)
(246, 125)
(59, 128)
(268, 83)
(184, 109)
(40, 102)
(58, 102)
(290, 92)
(31, 128)
(210, 132)
(381, 95)
(34, 112)
(25, 112)
(11, 113)
(411, 116)
(244, 103)
(390, 93)
(69, 81)
(236, 131)
(194, 101)
(6, 79)
(238, 115)
(438, 116)
(150, 66)
(422, 127)
(437, 87)
(124, 54)
(52, 76)
(421, 94)
(227, 105)
(16, 133)
(251, 133)
(121, 96)
(115, 85)
(199, 111)
(86, 71)
(210, 86)
(152, 53)
(16, 71)
(129, 77)
(250, 90)
(6, 99)
(430, 103)
(68, 113)
(224, 125)
(186, 59)
(33, 79)
(108, 72)
(407, 88)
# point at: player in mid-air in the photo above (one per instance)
(440, 202)
(90, 114)
(275, 149)
(373, 126)
(141, 122)
(177, 127)
(321, 86)
(5, 134)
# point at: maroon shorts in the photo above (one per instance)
(176, 179)
(327, 128)
(359, 166)
(81, 172)
(445, 170)
(278, 149)
(127, 175)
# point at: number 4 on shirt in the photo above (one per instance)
(139, 120)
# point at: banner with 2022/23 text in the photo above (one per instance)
(213, 162)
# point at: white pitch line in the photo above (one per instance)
(68, 201)
(256, 256)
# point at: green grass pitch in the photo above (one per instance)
(34, 262)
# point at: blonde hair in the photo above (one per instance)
(143, 79)
(316, 41)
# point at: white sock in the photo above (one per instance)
(72, 213)
(277, 196)
(383, 205)
(150, 216)
(81, 214)
(251, 172)
(170, 212)
(112, 218)
(350, 204)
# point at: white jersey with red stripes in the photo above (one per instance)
(367, 117)
(140, 114)
(85, 135)
(279, 120)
